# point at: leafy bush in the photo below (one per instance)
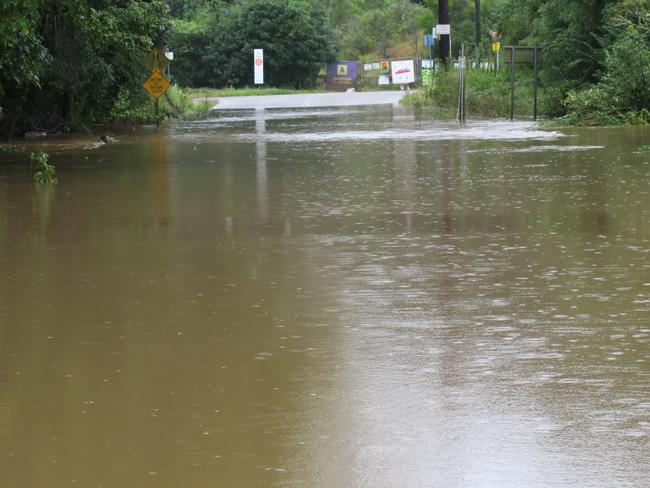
(622, 94)
(487, 94)
(45, 172)
(217, 50)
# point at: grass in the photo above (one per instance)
(198, 93)
(180, 104)
(487, 94)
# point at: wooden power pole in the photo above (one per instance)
(443, 18)
(477, 5)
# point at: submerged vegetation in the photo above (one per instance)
(44, 172)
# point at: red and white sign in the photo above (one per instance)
(403, 72)
(258, 66)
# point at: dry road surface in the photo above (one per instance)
(337, 99)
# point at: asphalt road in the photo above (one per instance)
(332, 99)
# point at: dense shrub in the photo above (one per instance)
(622, 94)
(216, 46)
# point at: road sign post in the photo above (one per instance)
(444, 30)
(523, 55)
(156, 85)
(156, 59)
(258, 66)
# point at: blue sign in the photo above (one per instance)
(342, 75)
(429, 40)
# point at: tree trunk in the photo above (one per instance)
(67, 107)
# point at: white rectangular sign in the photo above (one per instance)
(403, 72)
(443, 29)
(383, 80)
(367, 67)
(258, 56)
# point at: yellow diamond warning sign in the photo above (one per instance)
(156, 84)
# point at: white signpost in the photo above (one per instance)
(403, 72)
(258, 66)
(444, 30)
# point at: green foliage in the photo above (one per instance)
(487, 94)
(67, 61)
(131, 106)
(621, 95)
(44, 172)
(12, 148)
(366, 27)
(295, 37)
(174, 104)
(216, 46)
(198, 93)
(569, 32)
(627, 57)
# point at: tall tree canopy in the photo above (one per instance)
(67, 60)
(216, 45)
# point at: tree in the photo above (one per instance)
(569, 32)
(217, 50)
(71, 58)
(23, 58)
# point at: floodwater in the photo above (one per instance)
(329, 298)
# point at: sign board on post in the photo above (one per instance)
(523, 54)
(341, 75)
(384, 80)
(258, 66)
(443, 29)
(155, 59)
(403, 72)
(156, 84)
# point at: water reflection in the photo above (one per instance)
(242, 303)
(262, 183)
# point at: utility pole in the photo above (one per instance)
(477, 7)
(443, 18)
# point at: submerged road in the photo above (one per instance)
(336, 99)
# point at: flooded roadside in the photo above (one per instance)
(343, 297)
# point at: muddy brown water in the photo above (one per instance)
(328, 298)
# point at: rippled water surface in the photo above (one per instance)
(329, 298)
